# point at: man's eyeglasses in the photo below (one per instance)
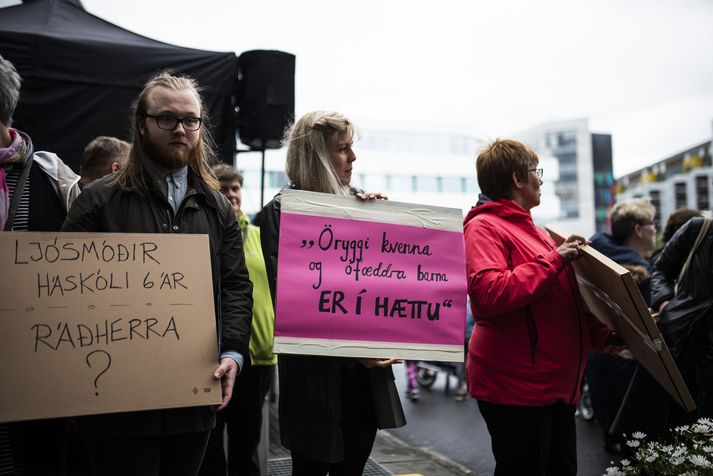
(169, 123)
(538, 172)
(652, 223)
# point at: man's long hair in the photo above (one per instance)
(133, 176)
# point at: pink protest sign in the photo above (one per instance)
(369, 279)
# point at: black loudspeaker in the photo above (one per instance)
(265, 97)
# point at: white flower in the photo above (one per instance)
(638, 435)
(633, 443)
(705, 421)
(680, 451)
(625, 462)
(651, 458)
(699, 428)
(677, 461)
(708, 449)
(681, 429)
(667, 448)
(613, 471)
(699, 460)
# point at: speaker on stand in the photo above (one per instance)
(265, 101)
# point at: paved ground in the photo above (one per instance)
(389, 456)
(457, 431)
(442, 438)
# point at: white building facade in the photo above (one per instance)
(582, 185)
(408, 166)
(438, 169)
(684, 180)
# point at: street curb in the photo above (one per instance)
(428, 453)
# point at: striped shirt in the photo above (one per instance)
(23, 210)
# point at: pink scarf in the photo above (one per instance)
(9, 156)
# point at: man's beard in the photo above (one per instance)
(174, 159)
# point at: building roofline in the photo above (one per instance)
(666, 160)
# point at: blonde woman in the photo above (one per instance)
(327, 409)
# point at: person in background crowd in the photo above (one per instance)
(675, 221)
(686, 314)
(624, 396)
(532, 334)
(243, 415)
(36, 187)
(167, 187)
(412, 392)
(328, 405)
(103, 155)
(36, 190)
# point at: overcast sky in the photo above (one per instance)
(639, 70)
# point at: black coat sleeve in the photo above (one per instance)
(85, 213)
(236, 289)
(669, 262)
(269, 241)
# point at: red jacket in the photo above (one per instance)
(532, 334)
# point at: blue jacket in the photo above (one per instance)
(628, 258)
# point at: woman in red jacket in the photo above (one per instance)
(531, 338)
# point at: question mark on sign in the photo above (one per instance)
(108, 364)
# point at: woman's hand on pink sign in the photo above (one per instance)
(381, 363)
(371, 196)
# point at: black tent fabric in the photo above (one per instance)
(81, 74)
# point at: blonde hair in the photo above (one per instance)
(309, 165)
(624, 216)
(132, 176)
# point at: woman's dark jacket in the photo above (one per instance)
(104, 207)
(686, 323)
(319, 396)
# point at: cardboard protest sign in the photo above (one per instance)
(612, 295)
(369, 279)
(99, 323)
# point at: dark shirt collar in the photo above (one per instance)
(158, 175)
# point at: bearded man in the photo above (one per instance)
(167, 187)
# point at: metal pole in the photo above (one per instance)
(262, 178)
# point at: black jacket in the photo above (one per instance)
(104, 207)
(687, 321)
(319, 396)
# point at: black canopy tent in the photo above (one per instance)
(81, 74)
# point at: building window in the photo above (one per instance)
(702, 194)
(567, 158)
(426, 183)
(400, 183)
(251, 179)
(276, 179)
(452, 185)
(374, 182)
(568, 177)
(680, 196)
(469, 185)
